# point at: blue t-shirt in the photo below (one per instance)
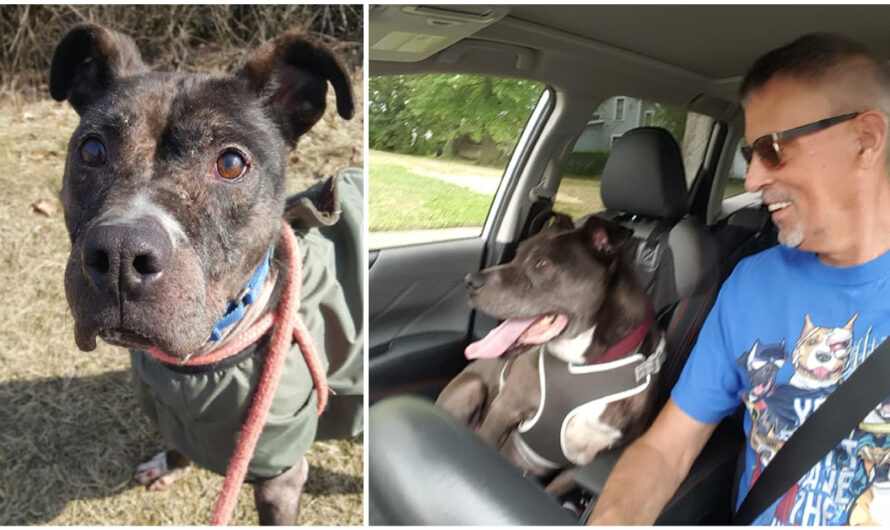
(785, 330)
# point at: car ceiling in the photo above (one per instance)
(686, 50)
(717, 42)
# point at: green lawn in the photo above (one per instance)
(578, 196)
(443, 165)
(401, 200)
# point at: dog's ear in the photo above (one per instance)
(605, 236)
(561, 221)
(87, 61)
(749, 360)
(291, 73)
(807, 326)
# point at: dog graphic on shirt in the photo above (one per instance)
(872, 506)
(820, 358)
(762, 363)
(821, 355)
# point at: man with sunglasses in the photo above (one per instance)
(792, 322)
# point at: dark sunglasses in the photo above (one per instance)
(767, 146)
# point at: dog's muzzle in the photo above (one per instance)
(126, 258)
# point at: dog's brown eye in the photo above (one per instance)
(92, 152)
(231, 165)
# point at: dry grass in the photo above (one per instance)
(70, 428)
(190, 37)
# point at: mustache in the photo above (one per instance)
(772, 195)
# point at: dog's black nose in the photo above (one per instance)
(127, 257)
(474, 281)
(823, 357)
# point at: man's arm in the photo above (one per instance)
(651, 469)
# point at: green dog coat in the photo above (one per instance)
(200, 409)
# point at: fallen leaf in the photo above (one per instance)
(44, 206)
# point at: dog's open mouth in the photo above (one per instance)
(126, 338)
(823, 373)
(517, 332)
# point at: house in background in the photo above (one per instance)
(614, 117)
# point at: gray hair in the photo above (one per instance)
(854, 76)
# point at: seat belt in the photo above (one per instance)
(839, 414)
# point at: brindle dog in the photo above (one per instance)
(174, 191)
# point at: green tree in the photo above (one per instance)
(432, 112)
(389, 120)
(671, 118)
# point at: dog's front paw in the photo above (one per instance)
(158, 473)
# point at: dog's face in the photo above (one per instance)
(174, 183)
(821, 354)
(876, 461)
(559, 278)
(762, 364)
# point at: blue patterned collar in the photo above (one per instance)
(236, 308)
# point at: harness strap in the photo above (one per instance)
(566, 389)
(288, 325)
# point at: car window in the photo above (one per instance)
(579, 189)
(735, 185)
(438, 147)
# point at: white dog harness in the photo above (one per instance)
(567, 389)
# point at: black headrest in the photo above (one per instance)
(644, 175)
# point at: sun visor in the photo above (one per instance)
(413, 33)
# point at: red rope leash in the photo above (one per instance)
(289, 324)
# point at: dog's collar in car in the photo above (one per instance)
(237, 307)
(628, 343)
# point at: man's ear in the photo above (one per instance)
(87, 61)
(291, 73)
(872, 131)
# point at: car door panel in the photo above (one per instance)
(419, 317)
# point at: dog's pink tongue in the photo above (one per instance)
(499, 339)
(820, 372)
